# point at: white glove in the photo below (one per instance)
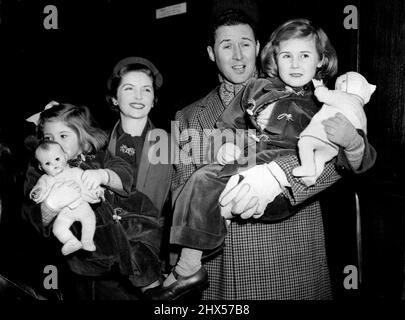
(251, 196)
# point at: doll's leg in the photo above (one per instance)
(62, 232)
(86, 216)
(321, 156)
(306, 147)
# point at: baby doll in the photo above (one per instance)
(352, 92)
(53, 161)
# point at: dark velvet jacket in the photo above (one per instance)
(122, 238)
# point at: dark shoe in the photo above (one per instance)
(183, 285)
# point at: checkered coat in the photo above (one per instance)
(284, 260)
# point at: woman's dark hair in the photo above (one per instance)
(115, 81)
(230, 17)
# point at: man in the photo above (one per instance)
(284, 260)
(233, 46)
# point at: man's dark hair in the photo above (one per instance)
(229, 17)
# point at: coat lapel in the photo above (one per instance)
(144, 165)
(213, 108)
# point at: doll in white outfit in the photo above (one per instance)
(315, 149)
(53, 161)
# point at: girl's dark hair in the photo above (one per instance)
(46, 145)
(79, 119)
(230, 17)
(115, 81)
(300, 28)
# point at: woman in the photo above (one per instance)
(132, 90)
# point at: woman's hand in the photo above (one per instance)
(93, 178)
(63, 194)
(248, 194)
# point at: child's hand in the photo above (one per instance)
(37, 194)
(94, 178)
(227, 153)
(340, 131)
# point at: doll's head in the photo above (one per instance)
(51, 157)
(354, 83)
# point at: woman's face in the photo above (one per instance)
(235, 52)
(135, 95)
(297, 61)
(58, 131)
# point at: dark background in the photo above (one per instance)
(72, 64)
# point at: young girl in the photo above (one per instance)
(282, 106)
(117, 269)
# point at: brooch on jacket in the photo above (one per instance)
(127, 150)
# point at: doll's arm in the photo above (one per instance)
(324, 95)
(41, 189)
(41, 215)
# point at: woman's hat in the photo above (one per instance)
(137, 60)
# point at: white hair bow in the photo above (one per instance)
(35, 117)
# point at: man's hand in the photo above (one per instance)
(248, 194)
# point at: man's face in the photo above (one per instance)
(52, 161)
(235, 52)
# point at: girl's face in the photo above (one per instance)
(135, 95)
(65, 136)
(297, 61)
